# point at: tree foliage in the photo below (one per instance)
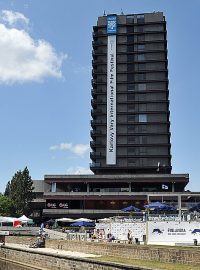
(6, 206)
(7, 190)
(20, 191)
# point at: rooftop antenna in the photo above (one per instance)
(104, 13)
(122, 13)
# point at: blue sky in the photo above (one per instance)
(45, 83)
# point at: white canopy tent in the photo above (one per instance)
(83, 219)
(25, 219)
(7, 219)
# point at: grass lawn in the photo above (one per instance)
(149, 264)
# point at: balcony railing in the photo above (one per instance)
(96, 122)
(95, 132)
(95, 164)
(79, 211)
(95, 154)
(96, 112)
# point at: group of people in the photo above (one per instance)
(101, 235)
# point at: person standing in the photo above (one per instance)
(130, 237)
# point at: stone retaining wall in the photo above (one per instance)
(46, 261)
(129, 251)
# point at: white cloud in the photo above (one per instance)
(62, 146)
(11, 17)
(80, 149)
(24, 59)
(79, 170)
(77, 149)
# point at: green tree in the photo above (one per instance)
(7, 190)
(6, 206)
(20, 191)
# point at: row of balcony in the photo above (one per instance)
(104, 61)
(100, 81)
(98, 164)
(99, 155)
(95, 112)
(100, 101)
(97, 91)
(140, 21)
(103, 42)
(95, 133)
(104, 52)
(91, 194)
(103, 122)
(94, 144)
(125, 72)
(102, 34)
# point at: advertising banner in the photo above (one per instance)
(173, 232)
(111, 24)
(57, 205)
(111, 101)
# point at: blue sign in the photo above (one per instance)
(111, 24)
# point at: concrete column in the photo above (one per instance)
(173, 187)
(88, 188)
(129, 187)
(53, 187)
(179, 205)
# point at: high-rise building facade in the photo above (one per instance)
(130, 97)
(130, 128)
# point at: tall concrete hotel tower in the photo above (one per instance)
(130, 96)
(130, 146)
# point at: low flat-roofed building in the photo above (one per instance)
(97, 196)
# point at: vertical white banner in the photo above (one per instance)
(111, 101)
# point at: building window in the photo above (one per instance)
(143, 107)
(143, 151)
(141, 47)
(140, 29)
(130, 48)
(130, 18)
(132, 161)
(142, 128)
(131, 97)
(141, 76)
(142, 86)
(130, 67)
(142, 97)
(130, 57)
(130, 38)
(130, 29)
(130, 77)
(143, 139)
(141, 57)
(141, 38)
(131, 118)
(131, 107)
(142, 118)
(140, 18)
(131, 139)
(131, 128)
(131, 150)
(141, 66)
(130, 87)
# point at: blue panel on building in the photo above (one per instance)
(111, 24)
